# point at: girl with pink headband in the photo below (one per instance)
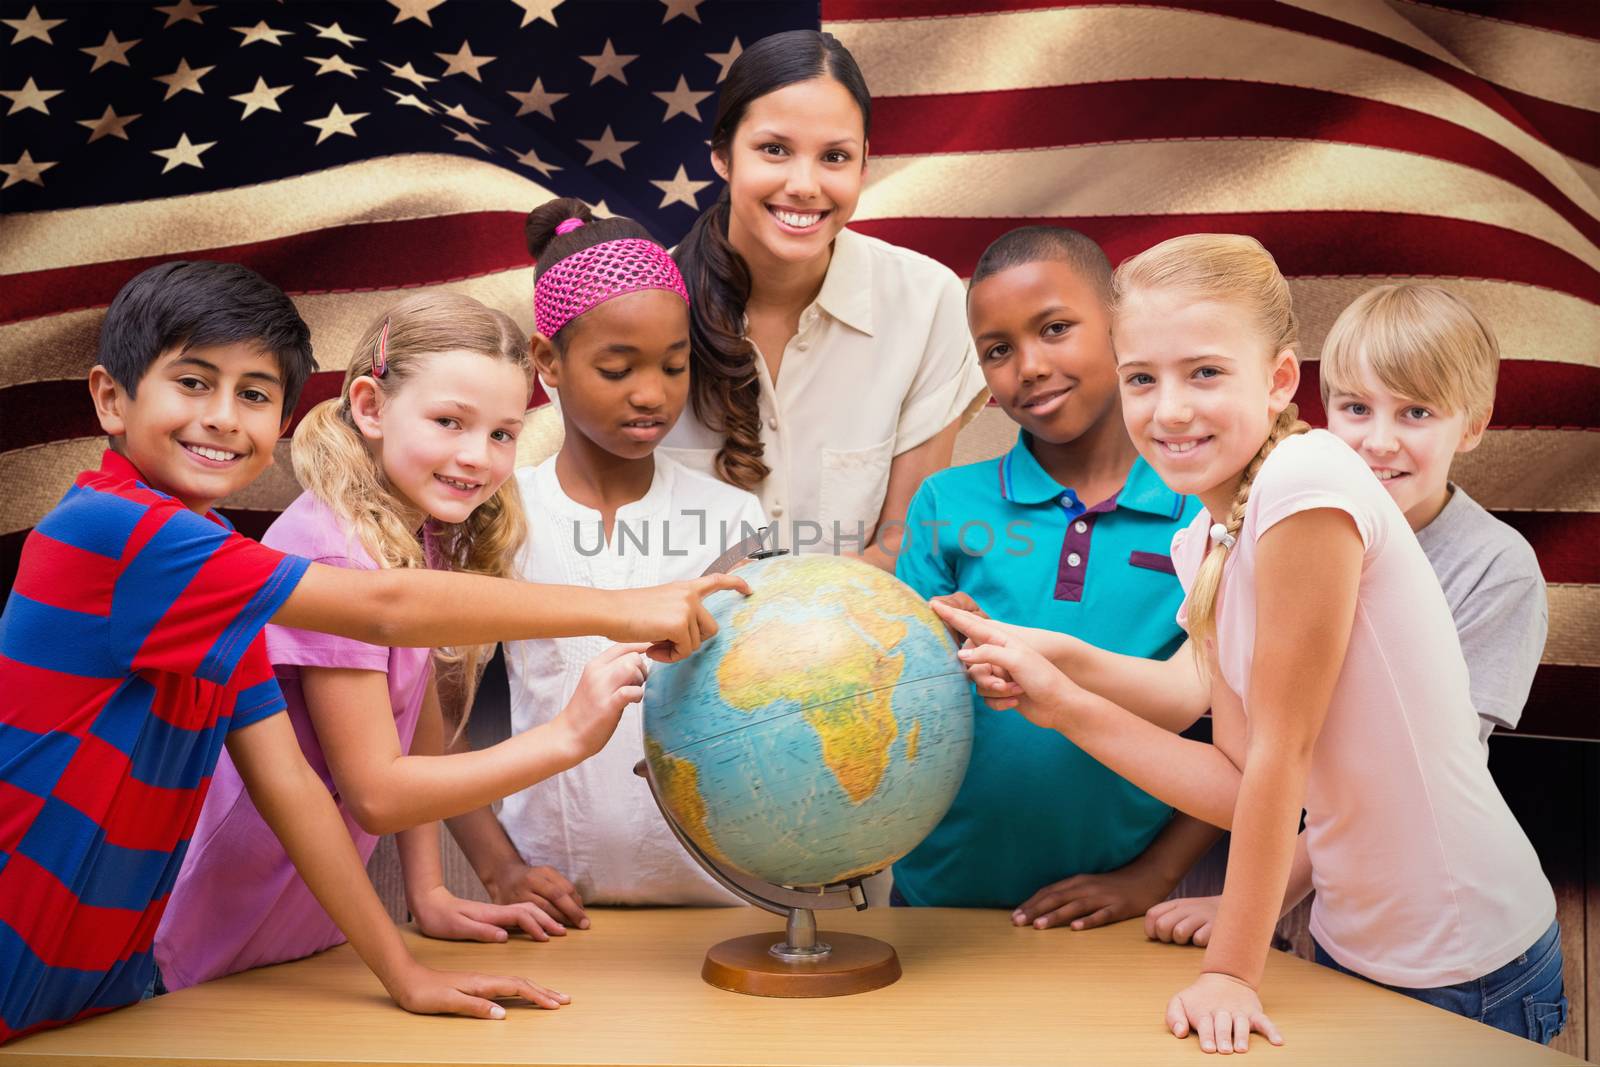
(611, 344)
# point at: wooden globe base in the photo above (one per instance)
(856, 965)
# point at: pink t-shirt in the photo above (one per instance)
(238, 902)
(1423, 877)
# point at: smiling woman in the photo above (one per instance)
(830, 370)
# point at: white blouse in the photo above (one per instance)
(881, 363)
(597, 822)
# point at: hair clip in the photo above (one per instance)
(1221, 536)
(566, 226)
(380, 362)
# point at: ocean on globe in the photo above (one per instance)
(821, 734)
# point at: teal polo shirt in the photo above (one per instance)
(1034, 807)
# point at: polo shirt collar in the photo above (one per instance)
(847, 289)
(1024, 481)
(115, 465)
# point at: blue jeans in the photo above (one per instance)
(1525, 997)
(155, 987)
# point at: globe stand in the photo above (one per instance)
(802, 964)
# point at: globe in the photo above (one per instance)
(821, 734)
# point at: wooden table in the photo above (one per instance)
(975, 991)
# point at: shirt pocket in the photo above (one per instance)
(1152, 561)
(853, 483)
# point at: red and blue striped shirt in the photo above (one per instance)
(130, 645)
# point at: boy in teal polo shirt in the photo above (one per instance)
(1071, 530)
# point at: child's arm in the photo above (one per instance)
(1089, 900)
(1170, 693)
(297, 806)
(510, 880)
(387, 790)
(425, 608)
(1188, 920)
(437, 911)
(1308, 573)
(1192, 776)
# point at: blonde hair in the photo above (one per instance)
(332, 461)
(1237, 270)
(1422, 342)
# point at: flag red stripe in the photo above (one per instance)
(1577, 19)
(1561, 703)
(1305, 243)
(1192, 109)
(1563, 540)
(1278, 15)
(1572, 130)
(358, 257)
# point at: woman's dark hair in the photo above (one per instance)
(549, 248)
(724, 388)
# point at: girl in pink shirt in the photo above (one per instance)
(407, 467)
(1324, 647)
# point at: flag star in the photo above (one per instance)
(333, 65)
(530, 158)
(336, 121)
(607, 149)
(184, 11)
(29, 98)
(334, 33)
(675, 8)
(110, 124)
(536, 99)
(185, 77)
(463, 135)
(261, 32)
(464, 62)
(461, 114)
(608, 64)
(39, 30)
(406, 73)
(538, 9)
(414, 9)
(113, 51)
(262, 97)
(600, 211)
(679, 189)
(182, 154)
(408, 100)
(725, 59)
(681, 101)
(24, 170)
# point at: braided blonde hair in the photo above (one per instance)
(332, 461)
(1237, 270)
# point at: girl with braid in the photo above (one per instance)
(1324, 647)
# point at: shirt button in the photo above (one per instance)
(772, 423)
(1073, 559)
(777, 510)
(1066, 498)
(1081, 526)
(803, 345)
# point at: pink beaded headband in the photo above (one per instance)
(595, 274)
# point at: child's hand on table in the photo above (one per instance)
(425, 991)
(440, 913)
(1222, 1011)
(1185, 921)
(1088, 900)
(544, 887)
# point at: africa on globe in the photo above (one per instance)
(821, 734)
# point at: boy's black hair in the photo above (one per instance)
(188, 304)
(1033, 244)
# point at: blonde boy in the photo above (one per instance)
(1408, 379)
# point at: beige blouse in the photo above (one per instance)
(881, 363)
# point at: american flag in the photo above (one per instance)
(349, 150)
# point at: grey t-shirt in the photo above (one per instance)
(1496, 593)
